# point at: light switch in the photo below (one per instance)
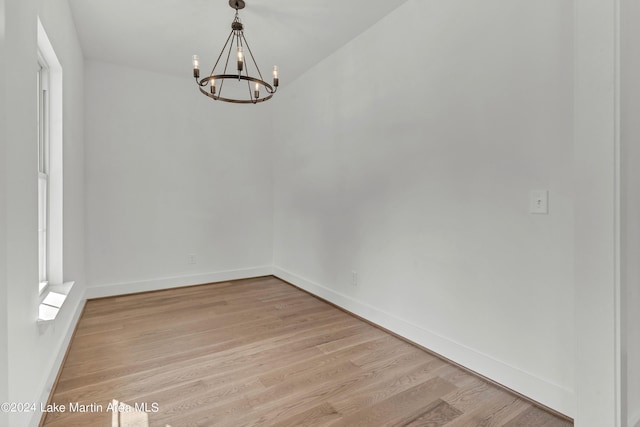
(539, 202)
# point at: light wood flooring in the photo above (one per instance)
(260, 352)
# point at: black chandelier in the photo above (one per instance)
(213, 84)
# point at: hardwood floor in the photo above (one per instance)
(261, 352)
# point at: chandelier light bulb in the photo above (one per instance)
(275, 76)
(240, 59)
(196, 66)
(256, 92)
(213, 86)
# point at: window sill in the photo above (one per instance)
(52, 300)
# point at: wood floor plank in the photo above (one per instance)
(259, 352)
(303, 367)
(319, 415)
(399, 408)
(387, 387)
(497, 411)
(439, 415)
(533, 417)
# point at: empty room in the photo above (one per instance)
(318, 212)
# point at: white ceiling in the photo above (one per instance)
(162, 35)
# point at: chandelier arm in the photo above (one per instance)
(226, 63)
(252, 58)
(201, 83)
(246, 73)
(221, 52)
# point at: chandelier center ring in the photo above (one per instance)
(236, 4)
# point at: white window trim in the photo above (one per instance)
(43, 252)
(43, 173)
(51, 302)
(53, 295)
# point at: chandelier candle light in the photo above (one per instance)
(212, 85)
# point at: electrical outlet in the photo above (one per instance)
(354, 278)
(191, 258)
(539, 202)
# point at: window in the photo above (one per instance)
(52, 286)
(43, 172)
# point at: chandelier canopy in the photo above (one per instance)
(257, 90)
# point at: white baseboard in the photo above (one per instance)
(174, 282)
(551, 395)
(59, 355)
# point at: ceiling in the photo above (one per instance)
(162, 35)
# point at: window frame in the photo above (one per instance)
(43, 141)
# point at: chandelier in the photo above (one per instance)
(257, 90)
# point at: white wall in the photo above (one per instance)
(413, 167)
(34, 353)
(597, 211)
(172, 173)
(630, 133)
(3, 225)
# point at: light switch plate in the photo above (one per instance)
(539, 202)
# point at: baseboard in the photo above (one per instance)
(537, 389)
(60, 355)
(110, 290)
